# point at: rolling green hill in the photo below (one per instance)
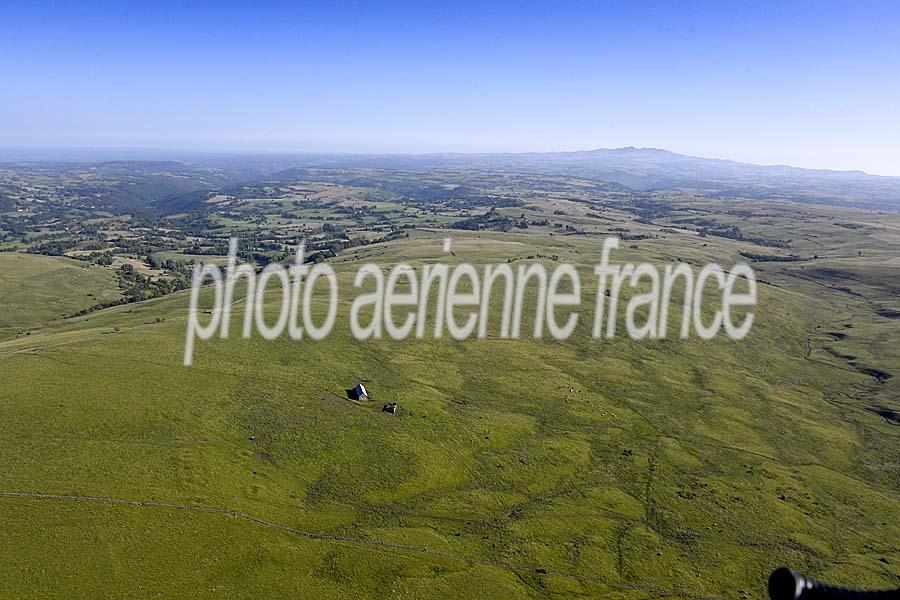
(37, 289)
(528, 468)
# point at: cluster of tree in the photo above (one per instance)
(325, 250)
(491, 220)
(53, 247)
(553, 257)
(334, 230)
(136, 287)
(648, 209)
(104, 259)
(6, 203)
(733, 232)
(248, 191)
(851, 225)
(754, 257)
(12, 226)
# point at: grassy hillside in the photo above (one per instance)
(36, 289)
(526, 468)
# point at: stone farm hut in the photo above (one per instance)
(358, 393)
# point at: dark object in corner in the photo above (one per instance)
(787, 584)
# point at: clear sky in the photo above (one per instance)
(814, 84)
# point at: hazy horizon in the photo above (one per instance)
(112, 153)
(811, 87)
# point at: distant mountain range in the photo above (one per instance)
(652, 168)
(637, 168)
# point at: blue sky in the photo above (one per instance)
(815, 84)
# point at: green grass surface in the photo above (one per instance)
(35, 290)
(534, 469)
